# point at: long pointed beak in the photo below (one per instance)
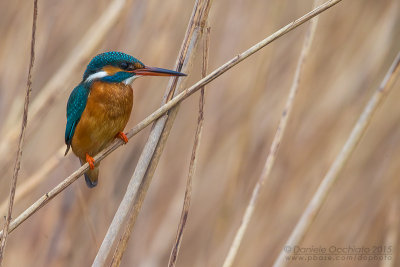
(152, 71)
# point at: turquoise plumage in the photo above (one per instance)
(75, 107)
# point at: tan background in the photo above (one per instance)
(354, 45)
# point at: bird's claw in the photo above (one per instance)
(122, 136)
(90, 161)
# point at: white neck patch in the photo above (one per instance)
(131, 79)
(99, 74)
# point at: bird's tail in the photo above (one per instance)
(91, 176)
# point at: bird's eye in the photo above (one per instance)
(124, 65)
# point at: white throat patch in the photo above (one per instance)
(131, 79)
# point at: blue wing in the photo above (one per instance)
(75, 107)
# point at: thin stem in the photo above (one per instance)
(22, 135)
(274, 146)
(193, 160)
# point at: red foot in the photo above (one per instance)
(90, 160)
(122, 136)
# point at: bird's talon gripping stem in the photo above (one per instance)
(122, 136)
(90, 160)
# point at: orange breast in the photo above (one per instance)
(106, 113)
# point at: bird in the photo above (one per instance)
(99, 107)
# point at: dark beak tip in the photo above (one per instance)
(153, 71)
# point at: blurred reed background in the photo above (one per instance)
(354, 45)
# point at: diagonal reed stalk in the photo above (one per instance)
(193, 160)
(22, 135)
(142, 176)
(332, 175)
(164, 108)
(275, 144)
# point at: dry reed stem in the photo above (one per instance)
(193, 160)
(140, 181)
(392, 234)
(331, 176)
(22, 135)
(32, 181)
(56, 85)
(275, 144)
(163, 109)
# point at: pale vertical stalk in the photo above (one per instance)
(42, 201)
(275, 144)
(332, 175)
(140, 181)
(193, 160)
(22, 135)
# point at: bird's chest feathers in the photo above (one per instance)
(106, 113)
(110, 100)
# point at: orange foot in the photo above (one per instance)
(90, 160)
(122, 136)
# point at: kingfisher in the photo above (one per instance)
(99, 107)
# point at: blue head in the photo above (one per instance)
(117, 67)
